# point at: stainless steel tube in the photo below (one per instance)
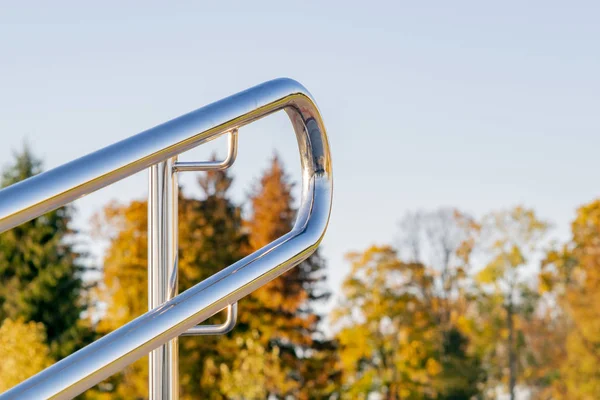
(221, 329)
(62, 185)
(57, 187)
(232, 145)
(163, 371)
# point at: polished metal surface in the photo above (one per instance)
(52, 189)
(163, 371)
(232, 146)
(184, 166)
(221, 329)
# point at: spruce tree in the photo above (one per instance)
(41, 271)
(283, 310)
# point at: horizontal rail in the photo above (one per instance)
(37, 195)
(221, 329)
(232, 146)
(52, 189)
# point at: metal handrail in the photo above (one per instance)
(196, 166)
(55, 188)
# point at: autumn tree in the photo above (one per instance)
(41, 272)
(24, 351)
(283, 311)
(256, 373)
(572, 276)
(510, 241)
(124, 288)
(387, 331)
(442, 242)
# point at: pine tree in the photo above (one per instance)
(283, 310)
(41, 272)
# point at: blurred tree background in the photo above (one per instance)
(454, 307)
(43, 299)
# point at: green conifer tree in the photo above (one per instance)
(41, 271)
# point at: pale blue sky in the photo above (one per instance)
(467, 104)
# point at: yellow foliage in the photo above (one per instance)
(256, 373)
(574, 275)
(388, 336)
(124, 289)
(23, 350)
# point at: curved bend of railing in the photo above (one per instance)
(55, 188)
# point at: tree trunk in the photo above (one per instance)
(394, 388)
(512, 364)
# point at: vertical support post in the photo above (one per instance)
(162, 273)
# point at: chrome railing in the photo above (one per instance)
(172, 315)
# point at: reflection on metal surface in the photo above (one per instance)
(221, 329)
(163, 367)
(232, 146)
(157, 148)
